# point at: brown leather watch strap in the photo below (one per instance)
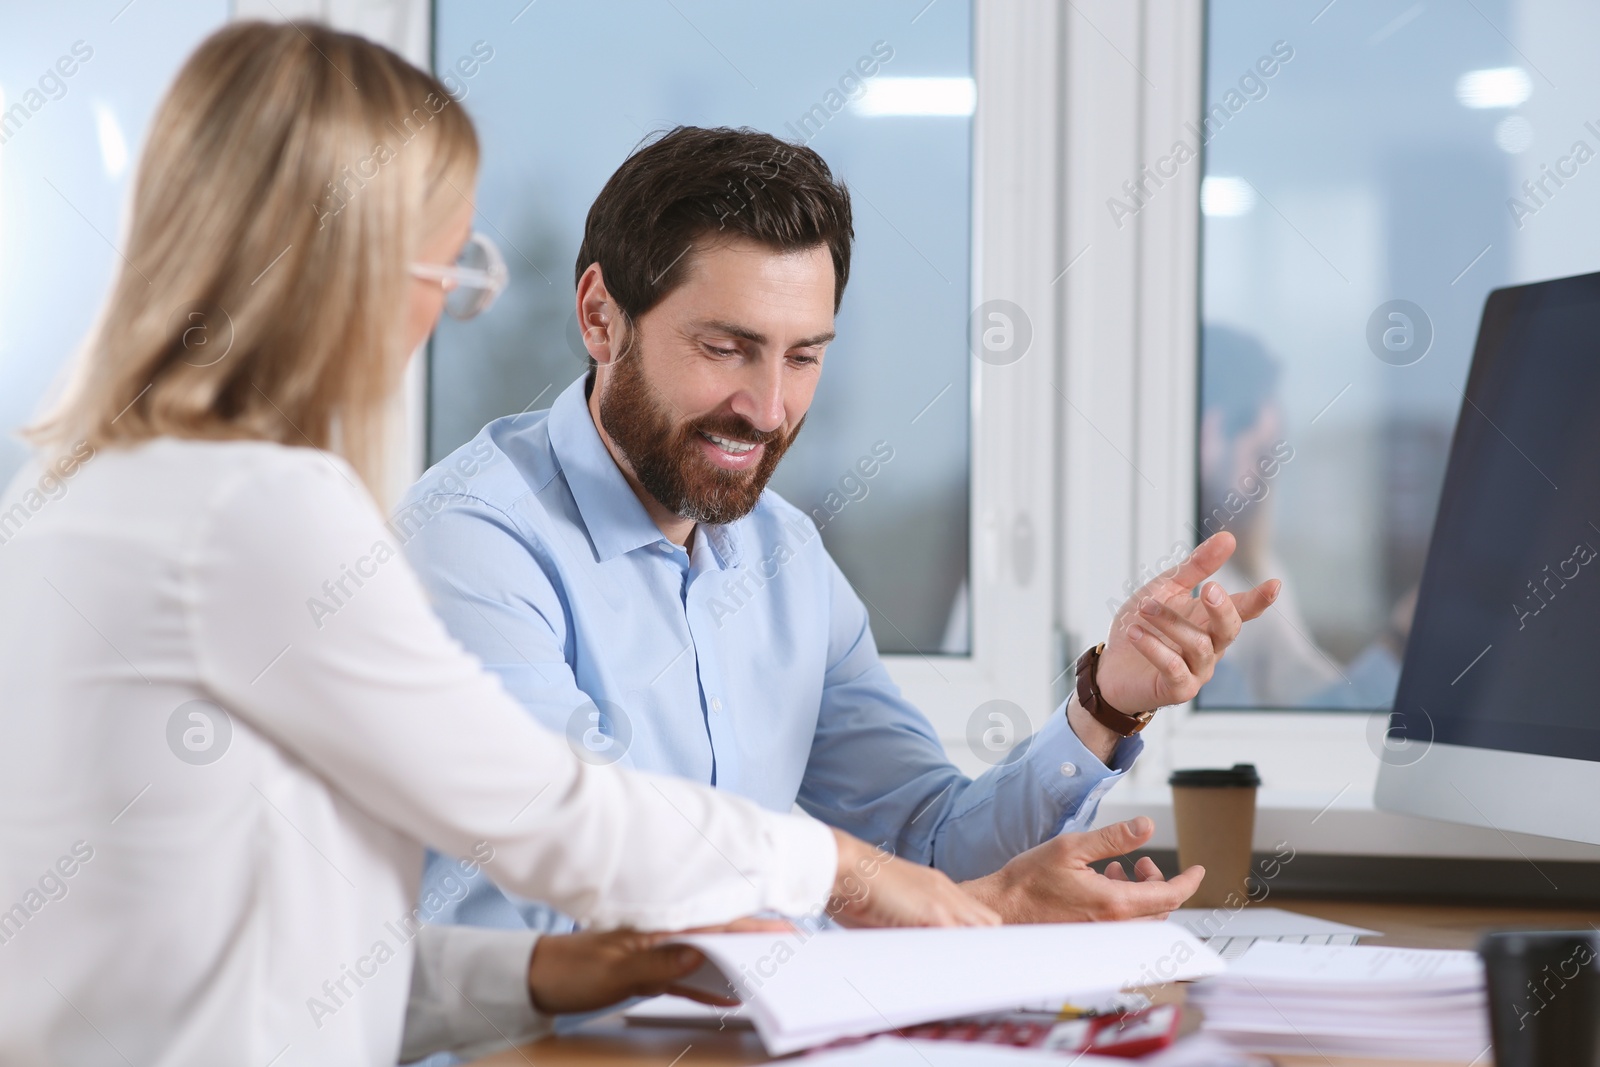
(1118, 722)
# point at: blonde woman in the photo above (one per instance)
(214, 799)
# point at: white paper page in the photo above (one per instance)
(1387, 1050)
(1197, 1050)
(668, 1010)
(1275, 999)
(1259, 922)
(898, 1052)
(1343, 1027)
(1367, 969)
(807, 989)
(681, 1011)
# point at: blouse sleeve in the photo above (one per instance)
(469, 993)
(310, 626)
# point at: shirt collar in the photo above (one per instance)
(615, 519)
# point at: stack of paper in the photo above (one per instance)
(1196, 1051)
(803, 990)
(1354, 1000)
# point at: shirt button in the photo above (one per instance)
(716, 705)
(1068, 770)
(663, 546)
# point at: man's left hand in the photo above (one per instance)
(1054, 883)
(1165, 642)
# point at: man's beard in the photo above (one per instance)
(667, 459)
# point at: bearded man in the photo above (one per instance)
(589, 555)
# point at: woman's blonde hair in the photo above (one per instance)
(287, 181)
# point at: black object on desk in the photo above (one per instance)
(1544, 997)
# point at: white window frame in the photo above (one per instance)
(1013, 464)
(1129, 361)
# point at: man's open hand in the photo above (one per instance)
(1165, 642)
(1053, 882)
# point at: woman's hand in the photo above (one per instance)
(586, 970)
(874, 888)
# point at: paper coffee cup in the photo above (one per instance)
(1215, 814)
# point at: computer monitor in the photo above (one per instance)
(1497, 716)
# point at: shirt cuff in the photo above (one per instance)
(1073, 774)
(469, 993)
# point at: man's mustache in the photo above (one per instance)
(737, 428)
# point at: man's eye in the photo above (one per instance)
(803, 359)
(723, 351)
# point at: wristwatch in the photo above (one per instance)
(1118, 722)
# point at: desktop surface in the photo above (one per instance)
(611, 1042)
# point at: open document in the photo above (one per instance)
(806, 989)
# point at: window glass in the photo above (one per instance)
(562, 91)
(1372, 171)
(78, 84)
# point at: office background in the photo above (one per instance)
(1076, 337)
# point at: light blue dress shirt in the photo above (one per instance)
(745, 662)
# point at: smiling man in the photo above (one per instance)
(587, 554)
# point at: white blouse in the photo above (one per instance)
(229, 723)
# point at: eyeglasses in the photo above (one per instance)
(473, 281)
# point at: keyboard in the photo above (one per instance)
(1231, 948)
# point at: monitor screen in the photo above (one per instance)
(1504, 651)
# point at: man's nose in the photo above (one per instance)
(761, 399)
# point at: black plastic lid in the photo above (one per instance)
(1504, 944)
(1242, 776)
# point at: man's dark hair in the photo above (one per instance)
(693, 185)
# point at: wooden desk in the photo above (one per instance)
(610, 1042)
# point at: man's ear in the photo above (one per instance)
(601, 324)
